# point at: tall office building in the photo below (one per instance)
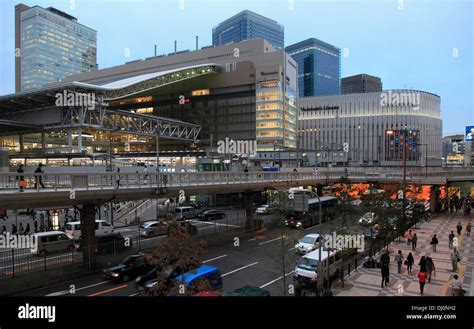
(360, 83)
(319, 67)
(50, 45)
(248, 25)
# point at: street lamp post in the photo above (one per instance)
(320, 272)
(404, 200)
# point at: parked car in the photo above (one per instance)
(212, 214)
(109, 243)
(249, 291)
(50, 242)
(73, 229)
(131, 267)
(153, 228)
(186, 212)
(307, 244)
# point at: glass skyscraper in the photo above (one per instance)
(248, 25)
(319, 67)
(50, 45)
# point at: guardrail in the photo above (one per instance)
(113, 180)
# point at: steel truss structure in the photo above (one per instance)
(102, 118)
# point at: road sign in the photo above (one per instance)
(469, 134)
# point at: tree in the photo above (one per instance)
(177, 255)
(284, 259)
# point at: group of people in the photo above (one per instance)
(38, 179)
(427, 268)
(455, 204)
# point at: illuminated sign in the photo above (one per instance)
(200, 92)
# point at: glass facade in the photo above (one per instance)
(319, 67)
(53, 47)
(247, 26)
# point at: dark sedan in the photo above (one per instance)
(211, 215)
(131, 267)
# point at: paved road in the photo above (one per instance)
(252, 262)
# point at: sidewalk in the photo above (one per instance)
(366, 282)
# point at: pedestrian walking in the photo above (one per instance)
(399, 260)
(468, 229)
(409, 236)
(14, 229)
(409, 262)
(4, 230)
(422, 280)
(35, 225)
(455, 259)
(21, 230)
(117, 178)
(456, 286)
(414, 240)
(27, 229)
(451, 239)
(459, 228)
(21, 178)
(39, 178)
(422, 263)
(385, 270)
(434, 242)
(430, 268)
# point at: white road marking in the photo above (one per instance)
(292, 249)
(212, 223)
(273, 281)
(252, 239)
(262, 243)
(64, 292)
(212, 259)
(239, 269)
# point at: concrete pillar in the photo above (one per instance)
(434, 198)
(88, 242)
(21, 140)
(79, 139)
(247, 199)
(43, 140)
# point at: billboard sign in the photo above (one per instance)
(469, 134)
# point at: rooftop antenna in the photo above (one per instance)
(155, 50)
(175, 46)
(197, 42)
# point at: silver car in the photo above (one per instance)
(153, 228)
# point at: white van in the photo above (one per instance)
(52, 241)
(73, 229)
(306, 270)
(185, 212)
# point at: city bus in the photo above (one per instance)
(304, 219)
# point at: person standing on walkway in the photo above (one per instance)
(459, 228)
(409, 236)
(35, 225)
(414, 240)
(117, 178)
(468, 229)
(409, 262)
(39, 178)
(434, 242)
(4, 230)
(399, 260)
(27, 229)
(422, 280)
(455, 259)
(384, 262)
(21, 230)
(451, 239)
(20, 178)
(14, 229)
(430, 268)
